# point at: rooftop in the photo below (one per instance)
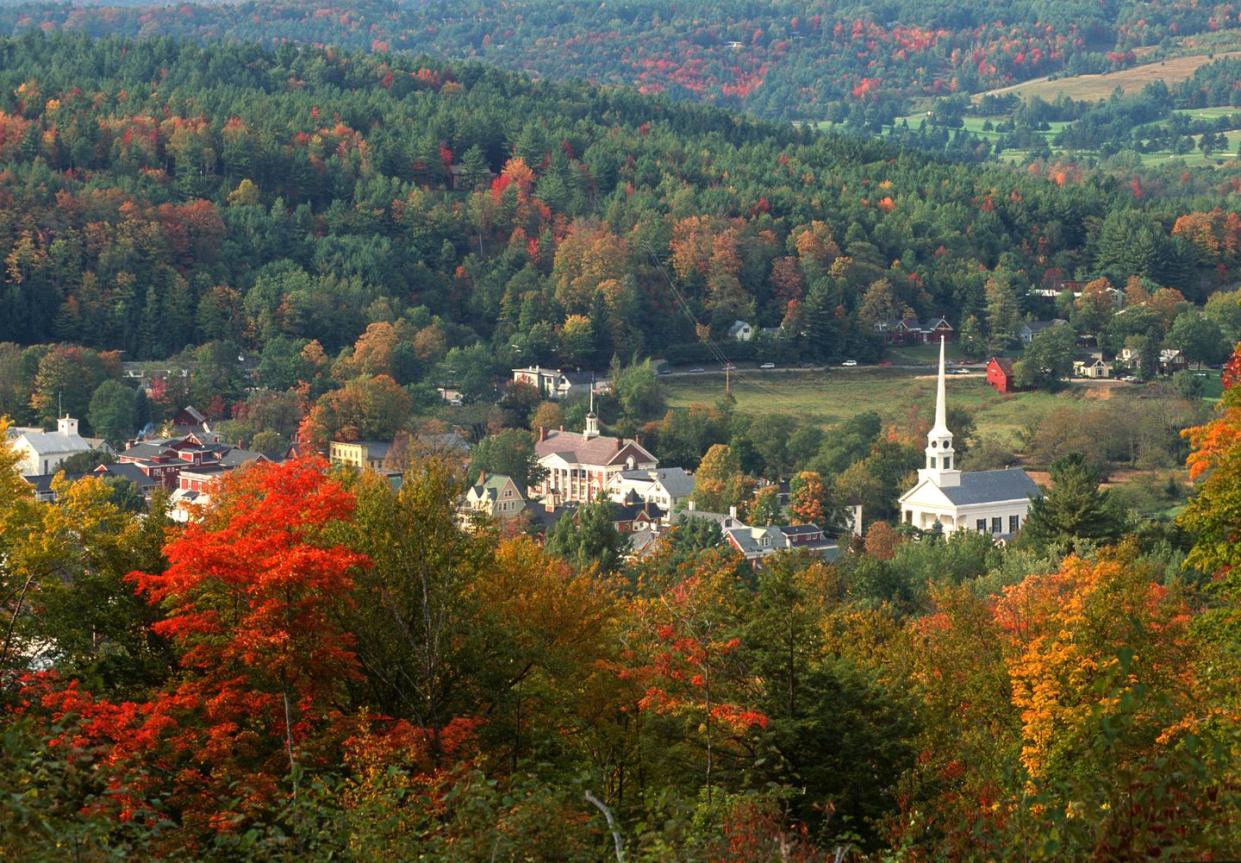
(988, 486)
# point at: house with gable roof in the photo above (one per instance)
(580, 467)
(41, 452)
(496, 496)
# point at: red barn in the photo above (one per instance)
(1000, 374)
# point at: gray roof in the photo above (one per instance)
(129, 471)
(678, 481)
(749, 539)
(723, 519)
(236, 457)
(986, 486)
(54, 442)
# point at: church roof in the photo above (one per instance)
(987, 486)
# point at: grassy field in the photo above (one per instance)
(1099, 87)
(895, 394)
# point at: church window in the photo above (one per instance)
(997, 524)
(981, 524)
(1014, 522)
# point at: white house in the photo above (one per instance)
(41, 452)
(741, 331)
(988, 501)
(666, 487)
(581, 467)
(555, 384)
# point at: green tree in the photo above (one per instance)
(113, 412)
(1003, 311)
(973, 345)
(588, 536)
(1075, 509)
(1199, 338)
(1048, 359)
(510, 452)
(638, 391)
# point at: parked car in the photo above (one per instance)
(696, 369)
(849, 363)
(767, 366)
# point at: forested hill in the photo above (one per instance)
(775, 58)
(160, 194)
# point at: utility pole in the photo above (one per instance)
(728, 380)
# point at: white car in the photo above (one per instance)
(767, 366)
(849, 363)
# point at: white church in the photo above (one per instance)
(986, 501)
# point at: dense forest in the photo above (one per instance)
(778, 59)
(160, 195)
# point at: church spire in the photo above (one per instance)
(941, 400)
(940, 455)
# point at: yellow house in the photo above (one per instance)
(359, 454)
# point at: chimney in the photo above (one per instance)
(482, 477)
(690, 505)
(620, 444)
(857, 520)
(732, 512)
(542, 433)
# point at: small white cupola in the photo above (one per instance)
(67, 425)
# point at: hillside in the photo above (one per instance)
(158, 199)
(1098, 87)
(772, 58)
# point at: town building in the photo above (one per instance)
(359, 454)
(666, 487)
(495, 496)
(948, 499)
(757, 543)
(555, 385)
(1030, 329)
(1000, 374)
(41, 452)
(582, 467)
(1092, 367)
(911, 331)
(741, 331)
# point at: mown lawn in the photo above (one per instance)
(895, 394)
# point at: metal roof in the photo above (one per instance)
(991, 486)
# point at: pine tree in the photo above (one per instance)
(1075, 509)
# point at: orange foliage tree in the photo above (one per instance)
(252, 597)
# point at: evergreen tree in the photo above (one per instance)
(1075, 509)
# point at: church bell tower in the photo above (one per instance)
(941, 459)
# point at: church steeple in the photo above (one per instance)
(940, 456)
(592, 419)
